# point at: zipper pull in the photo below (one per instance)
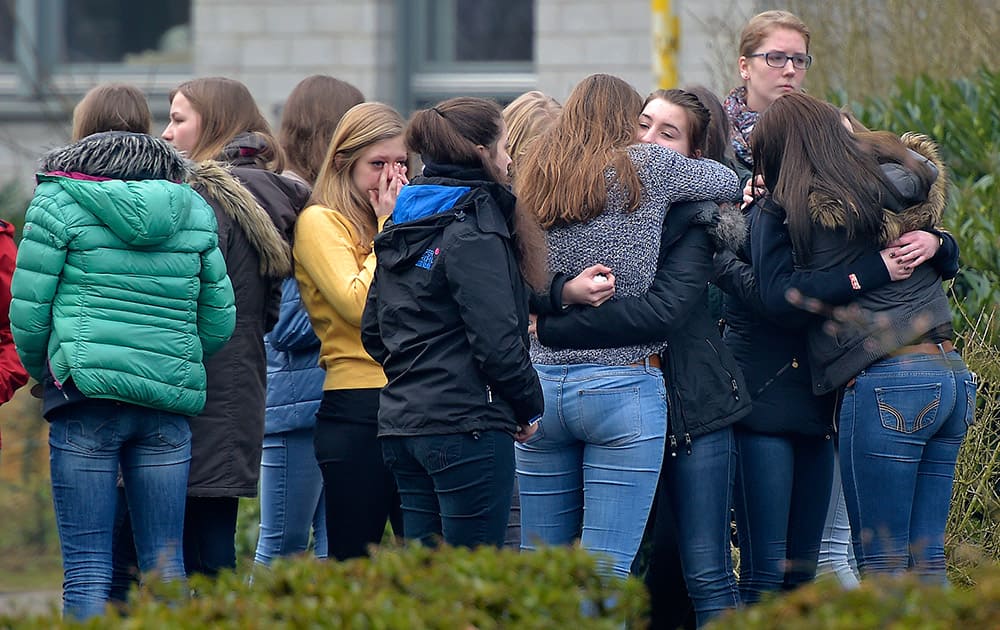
(687, 442)
(736, 388)
(489, 394)
(673, 445)
(460, 215)
(795, 363)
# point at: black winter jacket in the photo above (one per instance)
(705, 387)
(256, 211)
(447, 312)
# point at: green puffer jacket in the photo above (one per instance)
(120, 284)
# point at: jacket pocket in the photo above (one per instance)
(908, 408)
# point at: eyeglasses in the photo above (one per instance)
(779, 59)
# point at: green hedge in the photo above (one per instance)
(879, 604)
(962, 116)
(412, 588)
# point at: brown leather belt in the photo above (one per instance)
(652, 360)
(923, 348)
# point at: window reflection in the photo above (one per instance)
(125, 31)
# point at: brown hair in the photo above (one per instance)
(227, 109)
(309, 118)
(888, 147)
(698, 116)
(451, 131)
(561, 177)
(360, 127)
(111, 107)
(526, 117)
(801, 147)
(717, 145)
(763, 24)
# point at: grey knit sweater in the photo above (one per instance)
(629, 242)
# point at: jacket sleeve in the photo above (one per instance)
(40, 261)
(12, 373)
(325, 249)
(216, 302)
(945, 261)
(776, 274)
(551, 302)
(293, 331)
(479, 278)
(681, 280)
(371, 332)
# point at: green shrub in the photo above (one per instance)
(881, 603)
(412, 588)
(961, 116)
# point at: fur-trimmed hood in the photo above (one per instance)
(830, 213)
(119, 155)
(216, 181)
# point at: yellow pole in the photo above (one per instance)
(666, 41)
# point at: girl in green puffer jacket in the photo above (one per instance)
(119, 294)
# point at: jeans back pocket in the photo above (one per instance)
(908, 408)
(971, 389)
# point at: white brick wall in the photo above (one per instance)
(576, 38)
(271, 45)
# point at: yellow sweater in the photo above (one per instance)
(334, 276)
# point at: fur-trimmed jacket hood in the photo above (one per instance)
(119, 155)
(920, 208)
(216, 181)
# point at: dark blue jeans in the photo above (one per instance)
(901, 426)
(699, 488)
(456, 488)
(781, 499)
(89, 443)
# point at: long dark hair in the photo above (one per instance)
(451, 131)
(801, 147)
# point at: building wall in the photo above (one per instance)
(272, 45)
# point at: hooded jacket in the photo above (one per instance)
(256, 211)
(447, 313)
(883, 317)
(120, 287)
(705, 387)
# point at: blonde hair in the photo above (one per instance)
(361, 126)
(526, 118)
(111, 107)
(309, 118)
(763, 24)
(561, 178)
(227, 109)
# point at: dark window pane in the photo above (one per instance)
(113, 31)
(494, 31)
(6, 31)
(480, 30)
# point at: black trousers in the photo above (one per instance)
(360, 490)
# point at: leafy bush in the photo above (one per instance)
(411, 588)
(13, 203)
(901, 603)
(973, 532)
(961, 116)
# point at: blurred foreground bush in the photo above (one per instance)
(882, 603)
(411, 588)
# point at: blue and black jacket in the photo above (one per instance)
(447, 312)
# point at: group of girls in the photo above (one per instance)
(533, 305)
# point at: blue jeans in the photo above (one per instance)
(88, 442)
(781, 499)
(902, 424)
(291, 497)
(590, 471)
(699, 488)
(454, 488)
(835, 553)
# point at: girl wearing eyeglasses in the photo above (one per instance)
(774, 59)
